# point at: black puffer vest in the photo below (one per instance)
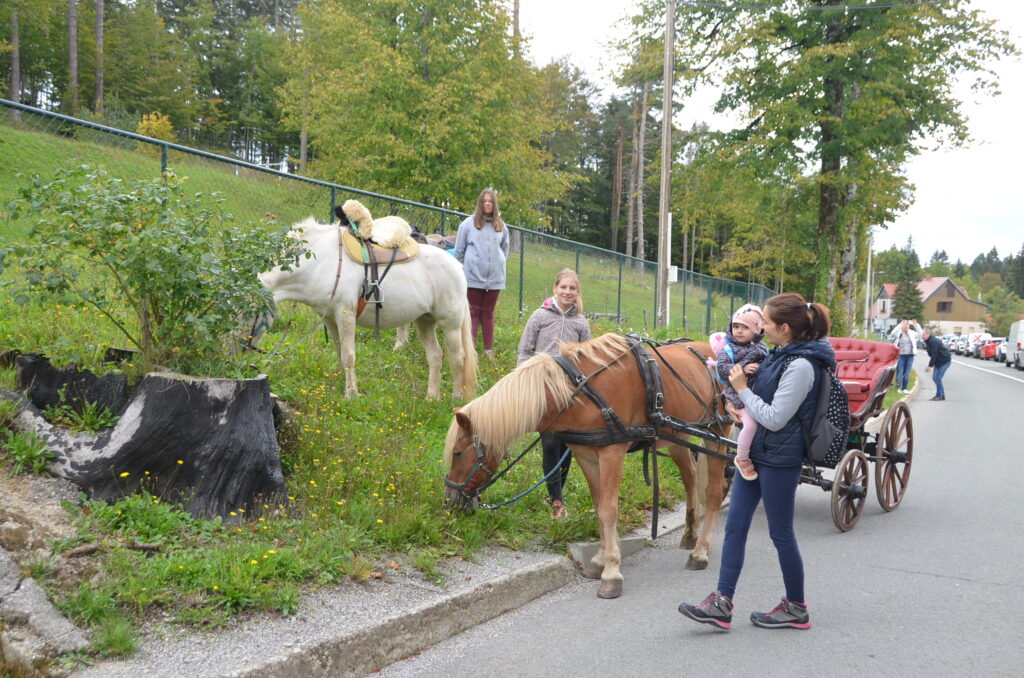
(786, 447)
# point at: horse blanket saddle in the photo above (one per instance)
(361, 250)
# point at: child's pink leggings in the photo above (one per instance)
(746, 435)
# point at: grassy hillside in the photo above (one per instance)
(363, 476)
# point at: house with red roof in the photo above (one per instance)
(948, 309)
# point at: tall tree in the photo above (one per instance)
(431, 110)
(908, 302)
(72, 97)
(97, 98)
(849, 88)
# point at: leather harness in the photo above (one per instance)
(644, 437)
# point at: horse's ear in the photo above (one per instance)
(463, 420)
(340, 213)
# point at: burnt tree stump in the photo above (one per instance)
(207, 444)
(49, 386)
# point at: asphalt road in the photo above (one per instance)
(932, 589)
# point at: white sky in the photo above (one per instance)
(966, 201)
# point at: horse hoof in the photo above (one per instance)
(591, 571)
(611, 588)
(696, 563)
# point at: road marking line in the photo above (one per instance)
(982, 369)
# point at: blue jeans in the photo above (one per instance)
(903, 371)
(937, 373)
(777, 488)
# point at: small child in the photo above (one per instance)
(743, 346)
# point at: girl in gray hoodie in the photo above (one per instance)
(558, 320)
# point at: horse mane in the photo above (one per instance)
(301, 230)
(518, 401)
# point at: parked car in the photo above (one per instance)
(987, 349)
(1014, 344)
(1001, 351)
(960, 347)
(974, 342)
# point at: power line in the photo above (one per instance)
(808, 8)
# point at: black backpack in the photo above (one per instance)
(828, 434)
(827, 438)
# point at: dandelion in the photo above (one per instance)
(253, 562)
(379, 520)
(125, 474)
(216, 588)
(180, 461)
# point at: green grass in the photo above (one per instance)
(363, 476)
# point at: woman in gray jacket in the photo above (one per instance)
(558, 320)
(482, 247)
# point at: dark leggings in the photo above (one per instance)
(777, 488)
(553, 451)
(481, 311)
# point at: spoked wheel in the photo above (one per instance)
(896, 452)
(849, 489)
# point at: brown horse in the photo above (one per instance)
(539, 396)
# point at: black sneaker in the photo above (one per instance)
(715, 610)
(785, 615)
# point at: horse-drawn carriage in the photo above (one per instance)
(616, 394)
(866, 370)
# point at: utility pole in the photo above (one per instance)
(867, 292)
(666, 169)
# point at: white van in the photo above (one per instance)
(1015, 344)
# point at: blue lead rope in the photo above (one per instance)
(558, 466)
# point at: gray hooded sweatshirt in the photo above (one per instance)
(548, 326)
(482, 253)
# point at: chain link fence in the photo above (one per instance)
(616, 287)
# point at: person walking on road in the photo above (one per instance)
(482, 247)
(783, 401)
(939, 359)
(558, 320)
(905, 336)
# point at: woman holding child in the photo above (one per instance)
(782, 401)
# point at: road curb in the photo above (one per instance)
(370, 648)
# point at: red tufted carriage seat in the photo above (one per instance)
(868, 379)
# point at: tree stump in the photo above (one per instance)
(49, 386)
(207, 444)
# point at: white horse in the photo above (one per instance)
(428, 290)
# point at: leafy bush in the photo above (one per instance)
(146, 249)
(156, 125)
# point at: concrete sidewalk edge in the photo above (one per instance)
(368, 649)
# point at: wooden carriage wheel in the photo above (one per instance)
(849, 489)
(895, 454)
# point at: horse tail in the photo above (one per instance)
(469, 363)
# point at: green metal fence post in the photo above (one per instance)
(163, 159)
(685, 276)
(577, 269)
(618, 303)
(334, 196)
(522, 267)
(707, 310)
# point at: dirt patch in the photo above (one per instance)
(31, 515)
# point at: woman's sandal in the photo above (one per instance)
(558, 510)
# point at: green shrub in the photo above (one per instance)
(166, 268)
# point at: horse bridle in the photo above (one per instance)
(468, 489)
